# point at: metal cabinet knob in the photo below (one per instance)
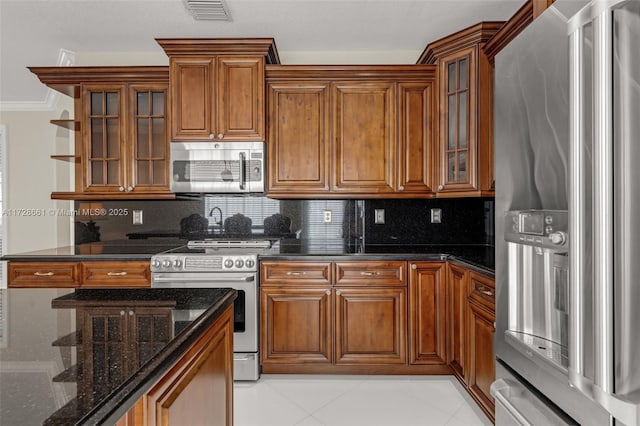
(220, 136)
(401, 188)
(121, 189)
(211, 136)
(338, 292)
(414, 266)
(440, 187)
(328, 292)
(130, 313)
(130, 188)
(121, 313)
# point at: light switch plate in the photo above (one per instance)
(378, 217)
(436, 215)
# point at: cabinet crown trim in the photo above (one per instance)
(222, 46)
(478, 33)
(349, 72)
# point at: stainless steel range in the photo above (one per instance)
(220, 264)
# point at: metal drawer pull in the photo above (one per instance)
(117, 274)
(296, 273)
(482, 289)
(43, 274)
(368, 274)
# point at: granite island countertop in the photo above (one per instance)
(63, 357)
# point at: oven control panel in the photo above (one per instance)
(204, 263)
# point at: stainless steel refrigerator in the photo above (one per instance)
(567, 156)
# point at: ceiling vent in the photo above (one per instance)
(207, 10)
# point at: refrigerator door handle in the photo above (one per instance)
(501, 391)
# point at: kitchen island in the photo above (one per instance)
(105, 356)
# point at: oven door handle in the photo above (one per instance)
(248, 278)
(242, 171)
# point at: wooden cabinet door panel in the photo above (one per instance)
(298, 128)
(192, 103)
(481, 359)
(296, 325)
(370, 326)
(43, 274)
(415, 130)
(373, 273)
(364, 137)
(240, 98)
(104, 109)
(148, 146)
(198, 389)
(457, 319)
(299, 273)
(116, 274)
(427, 311)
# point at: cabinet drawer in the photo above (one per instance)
(116, 274)
(277, 273)
(371, 273)
(44, 274)
(482, 290)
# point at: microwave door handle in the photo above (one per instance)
(242, 171)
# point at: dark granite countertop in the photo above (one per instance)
(480, 256)
(104, 250)
(50, 337)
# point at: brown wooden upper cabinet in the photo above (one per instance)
(465, 98)
(346, 131)
(217, 88)
(120, 129)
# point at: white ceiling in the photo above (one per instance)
(32, 32)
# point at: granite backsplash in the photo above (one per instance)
(464, 220)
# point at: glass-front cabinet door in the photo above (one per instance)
(149, 149)
(457, 139)
(103, 138)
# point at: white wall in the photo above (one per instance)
(32, 175)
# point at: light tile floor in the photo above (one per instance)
(308, 400)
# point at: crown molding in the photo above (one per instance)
(66, 58)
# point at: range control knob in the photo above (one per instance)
(177, 263)
(239, 263)
(155, 263)
(558, 238)
(250, 263)
(166, 263)
(228, 263)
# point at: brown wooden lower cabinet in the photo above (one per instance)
(427, 343)
(457, 283)
(370, 326)
(44, 274)
(88, 274)
(197, 389)
(296, 325)
(481, 359)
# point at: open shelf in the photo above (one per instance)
(67, 124)
(69, 157)
(71, 339)
(70, 375)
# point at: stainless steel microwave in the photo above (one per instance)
(217, 167)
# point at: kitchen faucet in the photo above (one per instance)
(219, 222)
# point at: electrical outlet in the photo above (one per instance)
(436, 215)
(378, 217)
(137, 217)
(326, 216)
